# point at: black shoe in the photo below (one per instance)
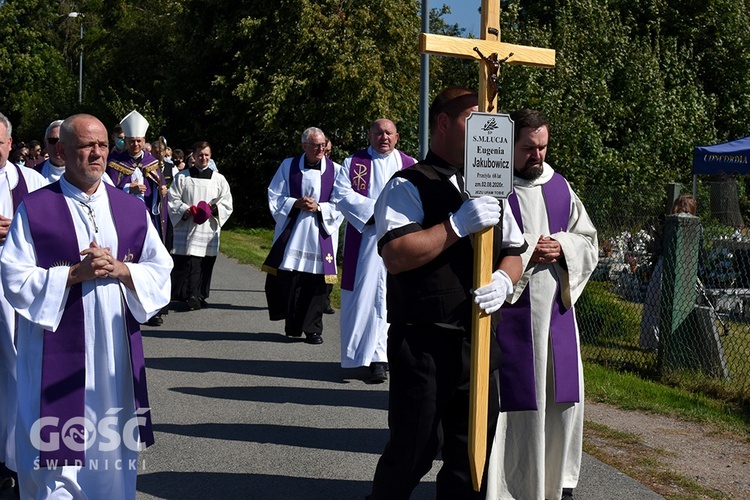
(193, 304)
(567, 494)
(329, 310)
(314, 338)
(294, 335)
(156, 320)
(378, 372)
(204, 304)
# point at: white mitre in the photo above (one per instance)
(134, 125)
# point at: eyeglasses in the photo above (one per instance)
(52, 140)
(316, 146)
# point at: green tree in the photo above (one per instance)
(37, 52)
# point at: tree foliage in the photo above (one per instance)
(637, 83)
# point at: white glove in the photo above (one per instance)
(475, 215)
(490, 297)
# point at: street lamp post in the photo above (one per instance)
(80, 60)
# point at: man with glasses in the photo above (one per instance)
(303, 259)
(34, 156)
(54, 166)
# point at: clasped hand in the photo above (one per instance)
(547, 251)
(99, 262)
(306, 204)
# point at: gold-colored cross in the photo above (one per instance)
(489, 47)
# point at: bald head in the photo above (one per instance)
(383, 136)
(83, 147)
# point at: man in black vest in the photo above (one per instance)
(424, 221)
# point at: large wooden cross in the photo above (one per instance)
(489, 49)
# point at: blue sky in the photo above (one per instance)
(463, 12)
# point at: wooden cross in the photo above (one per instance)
(492, 52)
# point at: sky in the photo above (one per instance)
(463, 12)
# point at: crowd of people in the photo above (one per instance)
(95, 242)
(105, 239)
(407, 297)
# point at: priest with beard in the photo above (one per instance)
(538, 443)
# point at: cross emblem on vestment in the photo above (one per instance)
(492, 53)
(359, 176)
(329, 258)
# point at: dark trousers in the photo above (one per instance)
(429, 412)
(191, 276)
(306, 299)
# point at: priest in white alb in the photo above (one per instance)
(302, 259)
(538, 444)
(82, 266)
(364, 326)
(15, 183)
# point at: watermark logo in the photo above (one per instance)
(80, 433)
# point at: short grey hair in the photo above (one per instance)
(52, 125)
(311, 131)
(4, 120)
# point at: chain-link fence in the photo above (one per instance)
(670, 298)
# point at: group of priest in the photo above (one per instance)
(83, 265)
(407, 294)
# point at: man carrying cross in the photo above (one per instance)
(423, 222)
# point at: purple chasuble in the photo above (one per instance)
(63, 385)
(514, 332)
(359, 175)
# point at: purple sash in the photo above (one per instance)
(276, 255)
(63, 384)
(359, 174)
(517, 378)
(18, 192)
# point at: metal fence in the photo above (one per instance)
(670, 298)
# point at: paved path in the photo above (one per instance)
(240, 411)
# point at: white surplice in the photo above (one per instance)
(198, 240)
(8, 181)
(39, 296)
(303, 249)
(537, 453)
(364, 326)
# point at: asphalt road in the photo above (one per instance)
(240, 411)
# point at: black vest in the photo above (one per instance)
(437, 292)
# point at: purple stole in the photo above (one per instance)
(359, 175)
(276, 255)
(18, 192)
(517, 379)
(63, 384)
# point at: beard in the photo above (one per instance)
(531, 171)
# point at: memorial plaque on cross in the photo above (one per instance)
(492, 53)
